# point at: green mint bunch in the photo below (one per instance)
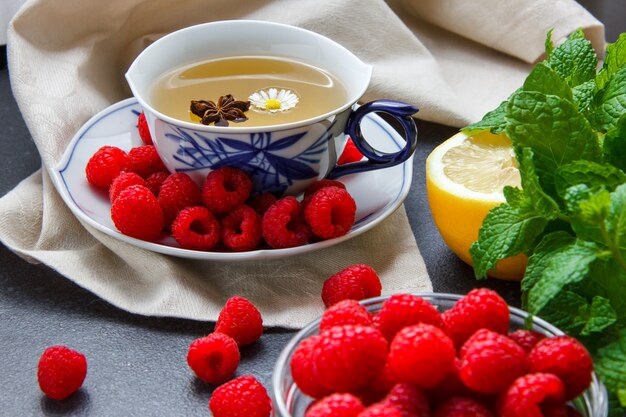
(567, 124)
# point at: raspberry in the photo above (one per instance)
(402, 310)
(123, 181)
(378, 387)
(451, 386)
(241, 229)
(348, 357)
(462, 407)
(566, 358)
(319, 184)
(350, 153)
(490, 362)
(261, 202)
(345, 312)
(105, 165)
(355, 282)
(241, 320)
(226, 188)
(283, 225)
(213, 358)
(136, 212)
(302, 369)
(527, 339)
(241, 397)
(154, 181)
(409, 400)
(421, 354)
(380, 410)
(144, 132)
(196, 228)
(330, 212)
(530, 394)
(61, 371)
(480, 308)
(146, 161)
(336, 405)
(177, 192)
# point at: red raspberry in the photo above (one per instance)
(348, 357)
(350, 153)
(123, 181)
(527, 339)
(283, 225)
(402, 310)
(105, 165)
(355, 282)
(566, 358)
(490, 362)
(451, 386)
(177, 192)
(409, 400)
(146, 160)
(196, 228)
(336, 405)
(330, 212)
(226, 188)
(261, 202)
(144, 132)
(241, 229)
(345, 312)
(378, 387)
(136, 212)
(319, 184)
(154, 181)
(530, 395)
(421, 354)
(480, 308)
(302, 369)
(462, 407)
(380, 410)
(213, 358)
(241, 320)
(241, 397)
(61, 371)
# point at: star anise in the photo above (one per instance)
(227, 108)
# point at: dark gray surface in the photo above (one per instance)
(137, 364)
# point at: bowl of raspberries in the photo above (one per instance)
(437, 355)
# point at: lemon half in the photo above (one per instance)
(465, 176)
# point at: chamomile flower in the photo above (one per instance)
(273, 100)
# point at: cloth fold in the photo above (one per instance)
(67, 62)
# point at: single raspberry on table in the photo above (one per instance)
(261, 202)
(196, 228)
(123, 181)
(350, 153)
(345, 312)
(241, 229)
(380, 410)
(348, 357)
(532, 395)
(421, 354)
(283, 225)
(105, 165)
(146, 161)
(355, 282)
(336, 405)
(241, 397)
(566, 358)
(490, 362)
(402, 310)
(136, 212)
(302, 370)
(177, 192)
(527, 339)
(226, 188)
(241, 320)
(213, 358)
(61, 371)
(144, 132)
(462, 407)
(480, 308)
(409, 400)
(330, 212)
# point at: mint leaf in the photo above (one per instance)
(548, 43)
(609, 103)
(542, 202)
(614, 145)
(575, 60)
(538, 261)
(600, 315)
(583, 94)
(564, 312)
(589, 209)
(614, 59)
(616, 220)
(544, 79)
(610, 364)
(493, 121)
(592, 174)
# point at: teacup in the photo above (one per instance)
(281, 158)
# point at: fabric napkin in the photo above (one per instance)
(454, 59)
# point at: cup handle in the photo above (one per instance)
(376, 159)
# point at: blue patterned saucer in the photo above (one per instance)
(377, 193)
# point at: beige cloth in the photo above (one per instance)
(67, 60)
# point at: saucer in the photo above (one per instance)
(377, 193)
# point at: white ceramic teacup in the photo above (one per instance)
(282, 158)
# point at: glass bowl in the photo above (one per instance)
(289, 401)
